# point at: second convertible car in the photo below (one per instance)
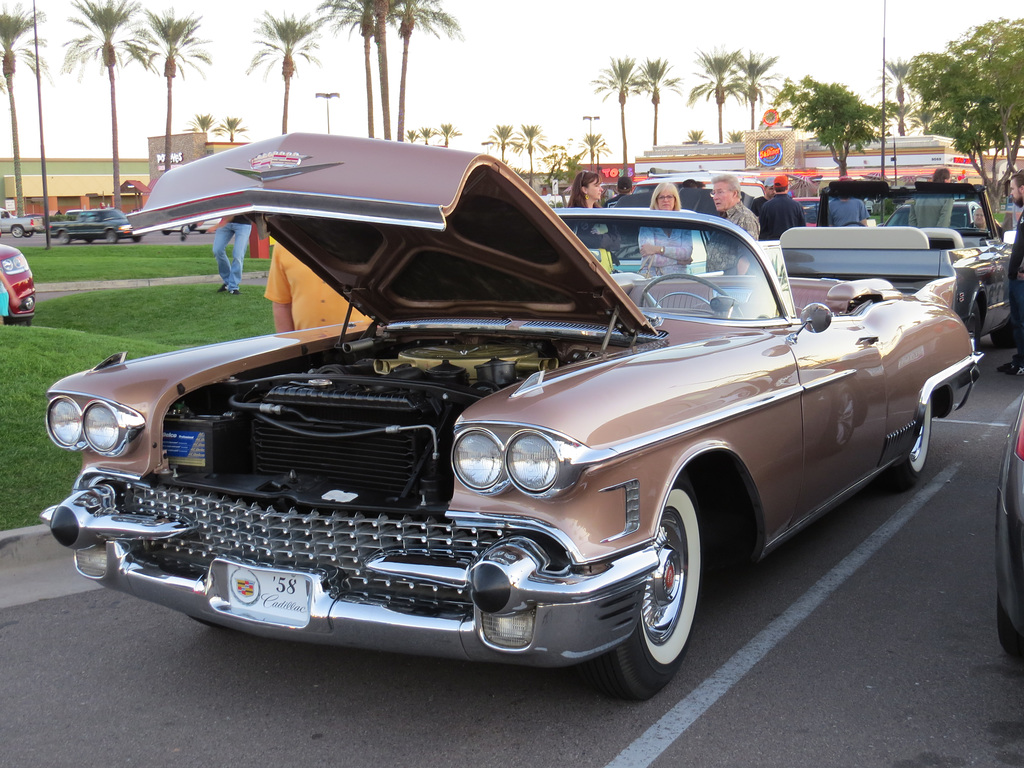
(522, 459)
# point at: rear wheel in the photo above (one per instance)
(18, 231)
(904, 475)
(1003, 337)
(1009, 637)
(647, 661)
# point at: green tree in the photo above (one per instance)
(975, 90)
(419, 14)
(530, 140)
(448, 132)
(695, 137)
(734, 137)
(175, 41)
(15, 24)
(201, 123)
(427, 134)
(595, 144)
(412, 136)
(355, 15)
(756, 82)
(230, 127)
(282, 40)
(110, 35)
(622, 79)
(898, 71)
(381, 13)
(837, 117)
(720, 73)
(653, 79)
(920, 118)
(503, 136)
(562, 166)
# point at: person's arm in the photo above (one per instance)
(283, 320)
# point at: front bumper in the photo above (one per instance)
(571, 616)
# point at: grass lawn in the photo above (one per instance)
(76, 332)
(71, 263)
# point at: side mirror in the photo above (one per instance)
(814, 318)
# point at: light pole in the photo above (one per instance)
(328, 97)
(590, 131)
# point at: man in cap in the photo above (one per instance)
(780, 213)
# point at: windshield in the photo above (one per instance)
(683, 267)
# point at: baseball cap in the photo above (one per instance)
(781, 181)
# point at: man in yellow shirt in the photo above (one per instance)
(301, 299)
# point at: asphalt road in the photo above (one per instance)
(869, 640)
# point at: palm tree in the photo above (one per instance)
(621, 79)
(755, 80)
(230, 127)
(530, 139)
(381, 11)
(695, 137)
(111, 36)
(14, 25)
(175, 41)
(282, 40)
(734, 137)
(412, 136)
(921, 119)
(594, 142)
(720, 72)
(503, 136)
(425, 15)
(448, 132)
(653, 78)
(201, 124)
(899, 70)
(427, 134)
(355, 15)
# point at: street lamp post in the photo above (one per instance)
(590, 130)
(328, 97)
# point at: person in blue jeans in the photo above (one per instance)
(236, 227)
(1016, 274)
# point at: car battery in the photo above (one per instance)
(207, 444)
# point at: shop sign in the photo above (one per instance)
(770, 154)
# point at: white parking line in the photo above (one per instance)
(660, 736)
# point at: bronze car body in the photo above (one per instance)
(515, 462)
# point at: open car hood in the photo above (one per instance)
(404, 231)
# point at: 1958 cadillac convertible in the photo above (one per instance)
(522, 459)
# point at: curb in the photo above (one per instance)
(97, 285)
(22, 547)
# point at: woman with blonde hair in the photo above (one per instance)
(665, 250)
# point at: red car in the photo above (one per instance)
(17, 291)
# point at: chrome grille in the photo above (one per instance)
(327, 542)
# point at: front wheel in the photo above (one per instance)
(18, 231)
(904, 475)
(64, 237)
(110, 236)
(647, 661)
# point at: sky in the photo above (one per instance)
(525, 62)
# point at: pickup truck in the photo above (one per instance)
(19, 226)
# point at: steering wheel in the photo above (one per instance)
(715, 290)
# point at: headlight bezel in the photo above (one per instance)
(127, 424)
(569, 459)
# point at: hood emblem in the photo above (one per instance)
(269, 166)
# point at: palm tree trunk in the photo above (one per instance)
(380, 13)
(167, 129)
(622, 119)
(401, 88)
(284, 114)
(19, 200)
(721, 136)
(113, 133)
(753, 106)
(369, 86)
(655, 123)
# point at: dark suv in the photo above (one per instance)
(107, 224)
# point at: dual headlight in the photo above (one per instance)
(104, 427)
(532, 461)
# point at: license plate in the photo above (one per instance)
(263, 594)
